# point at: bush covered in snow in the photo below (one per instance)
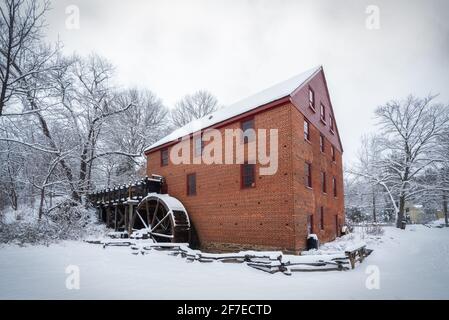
(67, 221)
(374, 229)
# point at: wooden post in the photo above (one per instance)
(115, 217)
(108, 220)
(131, 219)
(446, 220)
(126, 218)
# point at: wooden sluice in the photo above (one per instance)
(141, 206)
(116, 206)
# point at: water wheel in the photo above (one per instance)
(162, 218)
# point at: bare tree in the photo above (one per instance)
(22, 54)
(192, 107)
(404, 148)
(134, 129)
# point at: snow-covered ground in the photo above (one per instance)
(412, 264)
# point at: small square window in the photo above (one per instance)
(322, 146)
(308, 175)
(334, 186)
(310, 224)
(164, 157)
(323, 182)
(322, 218)
(191, 184)
(306, 130)
(248, 175)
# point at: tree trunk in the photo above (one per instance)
(41, 204)
(445, 209)
(8, 61)
(401, 211)
(14, 202)
(374, 207)
(32, 199)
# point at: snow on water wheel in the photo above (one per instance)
(163, 218)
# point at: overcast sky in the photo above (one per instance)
(234, 48)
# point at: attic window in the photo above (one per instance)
(331, 123)
(311, 99)
(323, 112)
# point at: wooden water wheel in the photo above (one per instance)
(162, 218)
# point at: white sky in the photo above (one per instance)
(234, 48)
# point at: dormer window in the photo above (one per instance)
(323, 113)
(311, 99)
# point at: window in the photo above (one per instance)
(331, 122)
(191, 184)
(322, 218)
(337, 226)
(334, 186)
(308, 175)
(323, 182)
(322, 143)
(248, 175)
(333, 153)
(306, 130)
(310, 224)
(311, 98)
(199, 146)
(164, 157)
(248, 125)
(323, 112)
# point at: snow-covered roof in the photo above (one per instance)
(278, 91)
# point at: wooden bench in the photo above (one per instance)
(357, 253)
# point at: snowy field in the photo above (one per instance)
(412, 264)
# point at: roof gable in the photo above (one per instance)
(276, 92)
(300, 99)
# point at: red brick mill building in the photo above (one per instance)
(232, 206)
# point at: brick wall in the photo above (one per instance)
(226, 215)
(308, 201)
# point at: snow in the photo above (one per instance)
(273, 93)
(312, 236)
(171, 202)
(412, 265)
